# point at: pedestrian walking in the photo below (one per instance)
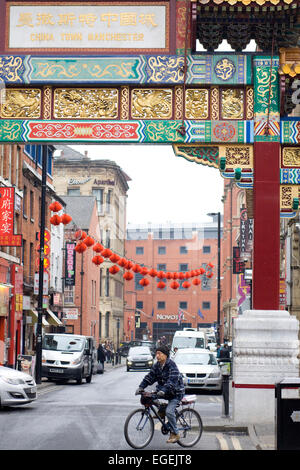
(101, 359)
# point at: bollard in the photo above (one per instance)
(225, 370)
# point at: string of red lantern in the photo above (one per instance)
(85, 242)
(56, 219)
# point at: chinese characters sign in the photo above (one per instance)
(7, 236)
(100, 26)
(70, 261)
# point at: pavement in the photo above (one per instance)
(262, 436)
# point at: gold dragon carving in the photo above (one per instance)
(232, 104)
(89, 103)
(20, 103)
(196, 106)
(151, 103)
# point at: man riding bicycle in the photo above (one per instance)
(169, 386)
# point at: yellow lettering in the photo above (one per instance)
(148, 20)
(44, 18)
(41, 37)
(25, 19)
(128, 19)
(88, 19)
(67, 19)
(109, 17)
(71, 36)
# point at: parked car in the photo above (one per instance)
(139, 357)
(16, 388)
(199, 369)
(67, 356)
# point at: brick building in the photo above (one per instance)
(173, 248)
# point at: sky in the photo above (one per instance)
(163, 188)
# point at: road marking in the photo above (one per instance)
(236, 443)
(222, 441)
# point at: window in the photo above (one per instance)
(17, 165)
(107, 238)
(206, 305)
(183, 250)
(108, 201)
(161, 305)
(25, 202)
(139, 304)
(162, 250)
(137, 278)
(31, 206)
(206, 249)
(73, 192)
(183, 267)
(98, 193)
(183, 305)
(69, 294)
(107, 283)
(161, 267)
(118, 289)
(31, 260)
(107, 324)
(100, 282)
(139, 250)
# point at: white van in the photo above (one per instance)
(189, 339)
(66, 356)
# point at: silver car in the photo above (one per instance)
(16, 388)
(199, 369)
(139, 357)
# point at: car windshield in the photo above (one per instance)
(182, 342)
(139, 351)
(195, 358)
(63, 343)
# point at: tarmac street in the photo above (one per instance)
(92, 416)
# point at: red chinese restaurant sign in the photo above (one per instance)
(7, 204)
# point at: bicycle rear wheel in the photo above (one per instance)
(138, 428)
(189, 426)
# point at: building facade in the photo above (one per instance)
(21, 169)
(170, 248)
(76, 174)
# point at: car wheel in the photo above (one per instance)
(79, 380)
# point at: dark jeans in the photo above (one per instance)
(170, 414)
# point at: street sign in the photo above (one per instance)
(45, 283)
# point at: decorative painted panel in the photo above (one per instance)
(159, 69)
(20, 103)
(232, 103)
(85, 103)
(196, 103)
(150, 131)
(153, 103)
(290, 131)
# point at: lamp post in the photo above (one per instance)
(38, 364)
(219, 274)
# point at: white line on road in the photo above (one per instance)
(222, 441)
(236, 443)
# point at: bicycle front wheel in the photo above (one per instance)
(189, 426)
(139, 428)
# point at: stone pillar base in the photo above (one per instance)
(265, 350)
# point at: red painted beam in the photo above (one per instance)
(266, 207)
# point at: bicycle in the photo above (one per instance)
(139, 424)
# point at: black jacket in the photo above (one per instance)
(168, 379)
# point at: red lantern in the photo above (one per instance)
(129, 264)
(144, 282)
(187, 275)
(136, 268)
(122, 262)
(66, 219)
(128, 276)
(196, 281)
(175, 276)
(55, 219)
(81, 247)
(114, 258)
(210, 265)
(89, 241)
(114, 269)
(209, 274)
(144, 271)
(161, 285)
(97, 260)
(169, 275)
(186, 285)
(106, 253)
(202, 270)
(152, 272)
(83, 235)
(97, 247)
(193, 273)
(55, 206)
(78, 234)
(174, 285)
(181, 276)
(161, 275)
